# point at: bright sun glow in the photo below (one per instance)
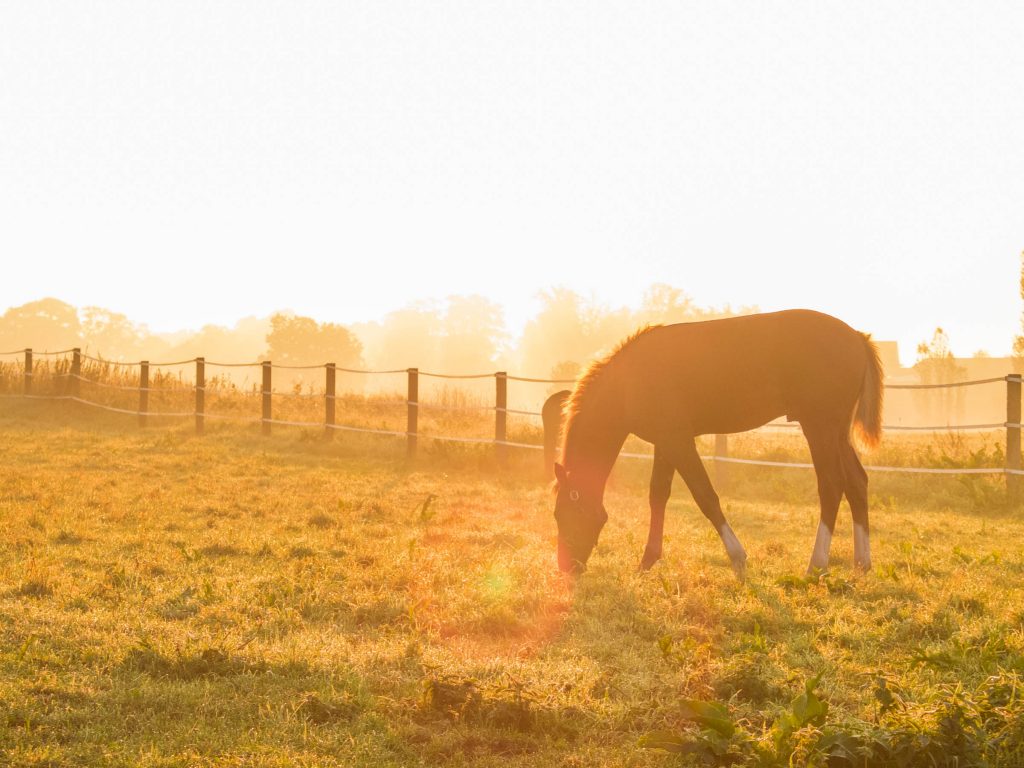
(198, 164)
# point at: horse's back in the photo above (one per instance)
(736, 373)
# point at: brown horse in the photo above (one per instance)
(668, 384)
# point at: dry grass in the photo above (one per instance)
(173, 600)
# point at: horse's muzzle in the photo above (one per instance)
(566, 562)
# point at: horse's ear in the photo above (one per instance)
(559, 473)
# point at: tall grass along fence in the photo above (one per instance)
(133, 389)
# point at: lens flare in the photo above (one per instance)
(497, 582)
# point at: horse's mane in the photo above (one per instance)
(585, 381)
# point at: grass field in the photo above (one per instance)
(174, 600)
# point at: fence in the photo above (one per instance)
(72, 379)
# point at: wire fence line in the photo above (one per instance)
(285, 366)
(101, 406)
(38, 354)
(934, 429)
(104, 361)
(414, 405)
(504, 443)
(971, 383)
(939, 429)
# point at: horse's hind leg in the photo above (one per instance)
(692, 469)
(661, 489)
(828, 465)
(856, 488)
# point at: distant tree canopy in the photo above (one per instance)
(935, 362)
(664, 304)
(50, 324)
(113, 336)
(47, 324)
(462, 334)
(570, 330)
(457, 335)
(245, 342)
(296, 340)
(405, 338)
(567, 329)
(473, 334)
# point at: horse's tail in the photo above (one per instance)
(867, 421)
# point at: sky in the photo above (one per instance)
(196, 162)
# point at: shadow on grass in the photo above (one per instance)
(202, 663)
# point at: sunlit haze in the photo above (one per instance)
(191, 163)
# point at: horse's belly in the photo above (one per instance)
(742, 409)
(720, 404)
(727, 424)
(668, 428)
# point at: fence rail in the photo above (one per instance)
(73, 379)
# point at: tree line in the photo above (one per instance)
(456, 335)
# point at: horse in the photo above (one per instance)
(667, 384)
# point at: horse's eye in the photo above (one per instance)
(574, 495)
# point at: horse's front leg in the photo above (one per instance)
(661, 489)
(696, 477)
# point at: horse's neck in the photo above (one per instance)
(593, 443)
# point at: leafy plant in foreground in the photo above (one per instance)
(955, 727)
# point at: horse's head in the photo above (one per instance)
(580, 515)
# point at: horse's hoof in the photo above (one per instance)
(817, 566)
(739, 567)
(816, 571)
(649, 560)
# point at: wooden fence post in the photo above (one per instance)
(76, 371)
(329, 400)
(412, 402)
(501, 416)
(721, 467)
(28, 372)
(200, 394)
(1013, 463)
(267, 388)
(143, 391)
